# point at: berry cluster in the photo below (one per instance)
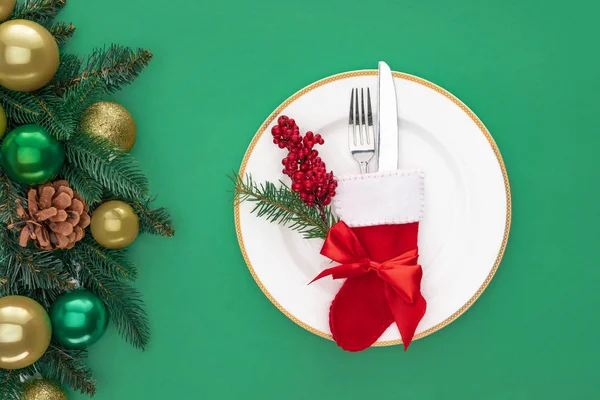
(309, 174)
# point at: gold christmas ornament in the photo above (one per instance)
(114, 224)
(111, 121)
(6, 8)
(2, 121)
(42, 389)
(25, 332)
(28, 55)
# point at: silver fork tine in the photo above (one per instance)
(361, 139)
(351, 133)
(358, 132)
(370, 130)
(363, 122)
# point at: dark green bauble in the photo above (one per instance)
(31, 156)
(79, 319)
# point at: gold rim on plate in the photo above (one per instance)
(441, 91)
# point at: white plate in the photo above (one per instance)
(467, 219)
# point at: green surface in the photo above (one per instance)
(529, 69)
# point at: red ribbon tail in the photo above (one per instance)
(323, 274)
(406, 315)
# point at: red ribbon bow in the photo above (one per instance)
(402, 276)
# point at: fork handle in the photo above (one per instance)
(364, 167)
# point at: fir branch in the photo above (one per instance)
(41, 107)
(40, 11)
(20, 106)
(9, 194)
(116, 65)
(69, 67)
(88, 188)
(109, 263)
(155, 221)
(283, 206)
(79, 97)
(62, 32)
(33, 269)
(54, 116)
(10, 384)
(68, 367)
(124, 305)
(114, 169)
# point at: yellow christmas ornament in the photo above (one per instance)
(25, 332)
(114, 224)
(42, 389)
(28, 55)
(2, 121)
(6, 8)
(111, 121)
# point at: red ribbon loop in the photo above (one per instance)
(402, 275)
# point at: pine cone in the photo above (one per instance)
(56, 217)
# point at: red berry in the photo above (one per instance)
(281, 145)
(296, 139)
(276, 130)
(299, 176)
(327, 201)
(296, 187)
(308, 185)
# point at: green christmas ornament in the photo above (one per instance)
(31, 156)
(79, 319)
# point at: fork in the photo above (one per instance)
(361, 136)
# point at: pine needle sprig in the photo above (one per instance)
(116, 65)
(10, 384)
(111, 263)
(124, 305)
(155, 221)
(114, 169)
(62, 32)
(68, 367)
(283, 206)
(87, 187)
(40, 11)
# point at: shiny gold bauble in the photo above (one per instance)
(42, 389)
(111, 121)
(2, 121)
(114, 224)
(6, 8)
(25, 332)
(28, 55)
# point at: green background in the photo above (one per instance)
(529, 69)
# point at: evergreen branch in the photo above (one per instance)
(124, 305)
(116, 65)
(10, 384)
(9, 194)
(283, 206)
(55, 117)
(68, 367)
(62, 32)
(20, 106)
(114, 169)
(89, 189)
(109, 263)
(40, 11)
(33, 269)
(69, 67)
(155, 221)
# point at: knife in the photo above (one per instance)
(387, 124)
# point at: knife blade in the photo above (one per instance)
(387, 124)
